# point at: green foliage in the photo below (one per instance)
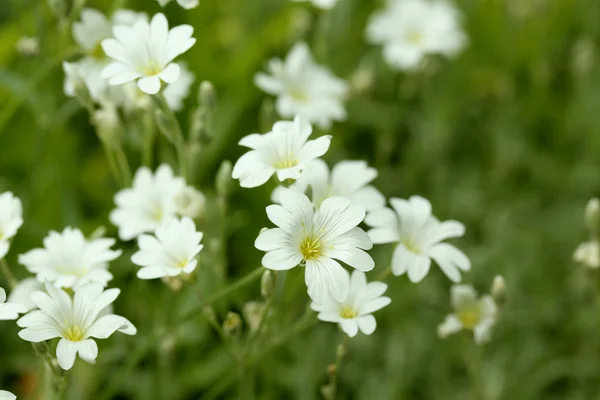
(504, 138)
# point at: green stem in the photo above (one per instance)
(341, 351)
(124, 169)
(384, 274)
(12, 282)
(149, 139)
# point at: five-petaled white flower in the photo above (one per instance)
(187, 4)
(11, 219)
(316, 239)
(75, 321)
(354, 312)
(324, 4)
(144, 52)
(304, 88)
(478, 315)
(419, 235)
(9, 310)
(4, 395)
(70, 260)
(147, 203)
(588, 254)
(171, 251)
(285, 151)
(348, 179)
(411, 29)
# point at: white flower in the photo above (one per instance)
(150, 201)
(144, 53)
(4, 395)
(75, 321)
(190, 202)
(354, 312)
(324, 4)
(176, 92)
(304, 88)
(21, 294)
(9, 310)
(588, 254)
(478, 315)
(70, 260)
(419, 235)
(411, 29)
(171, 251)
(285, 151)
(187, 4)
(348, 179)
(316, 239)
(11, 219)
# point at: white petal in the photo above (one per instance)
(151, 272)
(171, 73)
(354, 257)
(149, 84)
(450, 325)
(349, 326)
(367, 324)
(483, 332)
(325, 277)
(270, 239)
(461, 295)
(282, 259)
(65, 354)
(10, 311)
(315, 148)
(452, 255)
(373, 305)
(88, 350)
(107, 325)
(419, 268)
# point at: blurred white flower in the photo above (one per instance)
(316, 239)
(85, 72)
(75, 321)
(324, 4)
(4, 395)
(478, 315)
(190, 202)
(144, 51)
(592, 214)
(147, 203)
(21, 293)
(304, 88)
(171, 251)
(187, 4)
(498, 287)
(354, 312)
(409, 30)
(28, 45)
(348, 179)
(588, 254)
(70, 260)
(285, 151)
(9, 310)
(176, 92)
(11, 219)
(419, 235)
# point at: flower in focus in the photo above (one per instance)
(75, 321)
(588, 254)
(176, 92)
(409, 30)
(187, 4)
(354, 312)
(4, 395)
(348, 179)
(324, 4)
(190, 202)
(144, 51)
(419, 236)
(285, 151)
(21, 294)
(172, 249)
(9, 310)
(70, 260)
(11, 219)
(316, 239)
(478, 315)
(147, 203)
(304, 88)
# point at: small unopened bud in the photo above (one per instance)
(592, 214)
(209, 313)
(223, 180)
(253, 314)
(340, 352)
(28, 45)
(498, 288)
(588, 254)
(362, 79)
(331, 369)
(327, 391)
(108, 126)
(232, 324)
(207, 96)
(190, 202)
(172, 283)
(98, 233)
(267, 284)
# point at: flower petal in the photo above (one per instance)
(282, 259)
(367, 324)
(65, 354)
(108, 324)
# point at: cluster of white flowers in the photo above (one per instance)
(409, 30)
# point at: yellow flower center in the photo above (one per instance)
(74, 334)
(151, 69)
(311, 248)
(157, 214)
(415, 37)
(410, 245)
(298, 94)
(348, 312)
(469, 317)
(285, 163)
(1, 234)
(182, 263)
(97, 52)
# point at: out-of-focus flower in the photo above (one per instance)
(592, 214)
(21, 294)
(176, 92)
(498, 287)
(348, 179)
(409, 30)
(187, 4)
(11, 219)
(69, 260)
(144, 52)
(253, 314)
(588, 254)
(304, 88)
(284, 151)
(172, 249)
(28, 45)
(316, 239)
(324, 4)
(150, 201)
(478, 315)
(75, 321)
(419, 235)
(354, 311)
(190, 202)
(4, 395)
(9, 310)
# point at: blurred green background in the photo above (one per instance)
(504, 138)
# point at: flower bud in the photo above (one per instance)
(207, 96)
(172, 283)
(253, 314)
(108, 126)
(98, 233)
(267, 284)
(588, 254)
(190, 202)
(28, 45)
(498, 287)
(232, 324)
(223, 180)
(592, 214)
